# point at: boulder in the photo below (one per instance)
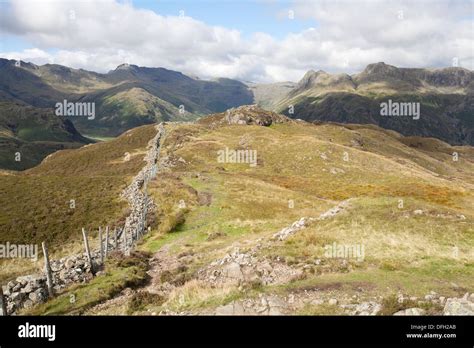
(233, 271)
(458, 306)
(411, 311)
(70, 263)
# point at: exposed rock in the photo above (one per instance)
(335, 210)
(245, 268)
(253, 115)
(295, 227)
(411, 311)
(458, 306)
(367, 308)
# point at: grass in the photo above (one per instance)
(322, 309)
(120, 274)
(196, 295)
(237, 205)
(37, 202)
(412, 253)
(391, 305)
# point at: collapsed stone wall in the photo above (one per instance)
(30, 290)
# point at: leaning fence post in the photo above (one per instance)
(88, 252)
(47, 269)
(106, 241)
(101, 249)
(115, 238)
(124, 237)
(3, 303)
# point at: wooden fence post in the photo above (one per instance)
(88, 252)
(3, 303)
(47, 269)
(115, 238)
(106, 241)
(101, 249)
(124, 237)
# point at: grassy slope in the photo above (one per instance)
(404, 252)
(36, 203)
(34, 133)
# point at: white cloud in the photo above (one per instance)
(347, 35)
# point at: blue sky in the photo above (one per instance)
(246, 16)
(252, 40)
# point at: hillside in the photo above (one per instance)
(36, 203)
(251, 237)
(44, 86)
(445, 97)
(266, 95)
(28, 134)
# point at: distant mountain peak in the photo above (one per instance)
(310, 78)
(126, 66)
(379, 68)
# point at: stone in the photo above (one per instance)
(233, 271)
(27, 289)
(411, 311)
(22, 280)
(36, 297)
(16, 288)
(69, 263)
(332, 302)
(17, 297)
(11, 284)
(28, 304)
(458, 306)
(238, 308)
(225, 310)
(367, 308)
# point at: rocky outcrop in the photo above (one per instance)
(253, 115)
(263, 305)
(460, 306)
(237, 268)
(411, 311)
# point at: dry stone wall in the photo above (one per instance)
(30, 290)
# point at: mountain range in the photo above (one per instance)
(445, 96)
(131, 96)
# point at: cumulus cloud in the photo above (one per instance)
(348, 35)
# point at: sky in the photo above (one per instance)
(249, 40)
